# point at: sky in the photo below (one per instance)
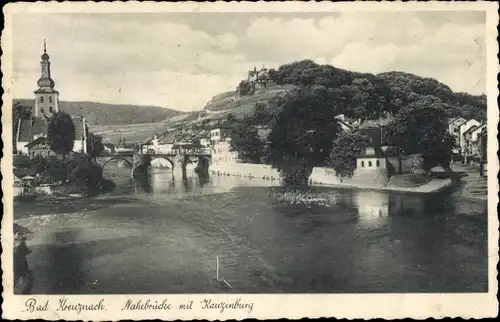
(182, 60)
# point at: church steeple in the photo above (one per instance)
(45, 80)
(47, 98)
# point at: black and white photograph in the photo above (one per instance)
(232, 153)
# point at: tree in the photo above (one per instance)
(345, 150)
(246, 141)
(230, 118)
(19, 112)
(421, 128)
(302, 134)
(244, 88)
(39, 164)
(262, 115)
(61, 133)
(95, 147)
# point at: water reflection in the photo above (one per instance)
(319, 240)
(166, 181)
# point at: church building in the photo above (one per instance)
(45, 105)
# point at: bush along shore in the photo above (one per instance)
(54, 177)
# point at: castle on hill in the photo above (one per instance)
(32, 131)
(257, 82)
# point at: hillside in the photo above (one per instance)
(108, 114)
(225, 103)
(356, 95)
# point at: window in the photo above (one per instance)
(41, 99)
(369, 164)
(378, 163)
(362, 164)
(50, 99)
(50, 109)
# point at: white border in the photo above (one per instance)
(265, 306)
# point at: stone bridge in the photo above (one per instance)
(139, 163)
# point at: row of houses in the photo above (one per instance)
(216, 142)
(470, 137)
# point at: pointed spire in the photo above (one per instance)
(44, 46)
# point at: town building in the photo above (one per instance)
(159, 144)
(464, 127)
(483, 145)
(373, 156)
(46, 104)
(467, 135)
(40, 147)
(373, 164)
(205, 142)
(454, 125)
(221, 147)
(344, 123)
(454, 129)
(473, 141)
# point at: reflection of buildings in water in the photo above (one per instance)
(116, 173)
(162, 181)
(372, 205)
(341, 199)
(170, 183)
(375, 205)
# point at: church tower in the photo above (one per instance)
(46, 97)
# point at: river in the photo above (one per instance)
(165, 239)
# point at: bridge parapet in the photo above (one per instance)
(177, 160)
(207, 152)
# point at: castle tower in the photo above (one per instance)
(46, 97)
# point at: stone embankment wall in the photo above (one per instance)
(320, 176)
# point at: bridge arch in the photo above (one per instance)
(117, 158)
(153, 157)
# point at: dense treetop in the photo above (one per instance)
(367, 96)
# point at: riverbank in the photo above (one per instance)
(326, 177)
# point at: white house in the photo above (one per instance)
(221, 147)
(205, 142)
(464, 127)
(474, 142)
(454, 125)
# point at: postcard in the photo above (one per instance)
(239, 160)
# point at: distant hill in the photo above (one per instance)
(109, 114)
